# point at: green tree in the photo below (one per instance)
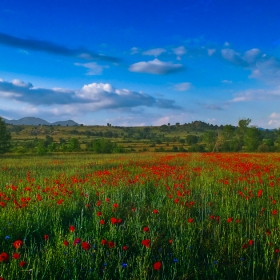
(5, 138)
(74, 145)
(252, 139)
(210, 138)
(191, 139)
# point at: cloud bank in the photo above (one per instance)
(49, 47)
(91, 97)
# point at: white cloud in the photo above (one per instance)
(154, 52)
(91, 97)
(182, 86)
(93, 68)
(275, 116)
(226, 44)
(179, 51)
(226, 81)
(155, 67)
(211, 51)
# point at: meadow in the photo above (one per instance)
(140, 216)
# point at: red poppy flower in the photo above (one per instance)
(65, 242)
(260, 193)
(119, 221)
(268, 232)
(1, 278)
(146, 243)
(190, 220)
(111, 244)
(251, 242)
(102, 222)
(17, 244)
(16, 256)
(133, 209)
(212, 217)
(103, 242)
(276, 250)
(46, 237)
(114, 220)
(170, 241)
(85, 245)
(274, 212)
(157, 265)
(125, 248)
(99, 213)
(22, 264)
(245, 246)
(146, 229)
(4, 257)
(155, 211)
(116, 205)
(72, 228)
(229, 220)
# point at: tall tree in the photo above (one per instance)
(252, 139)
(5, 137)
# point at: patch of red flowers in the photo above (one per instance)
(146, 243)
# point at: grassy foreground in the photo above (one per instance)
(148, 216)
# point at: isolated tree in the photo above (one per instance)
(5, 138)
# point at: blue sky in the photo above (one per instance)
(134, 63)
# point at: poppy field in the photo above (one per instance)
(145, 216)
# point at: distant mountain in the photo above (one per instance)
(38, 121)
(264, 129)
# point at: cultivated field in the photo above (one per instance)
(140, 216)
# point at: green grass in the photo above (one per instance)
(192, 235)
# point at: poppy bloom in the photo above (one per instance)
(146, 243)
(17, 244)
(116, 205)
(99, 213)
(157, 265)
(260, 193)
(170, 241)
(4, 257)
(102, 222)
(155, 211)
(125, 248)
(229, 220)
(111, 244)
(72, 228)
(245, 246)
(16, 256)
(85, 245)
(65, 242)
(119, 221)
(114, 220)
(46, 237)
(22, 264)
(190, 220)
(251, 242)
(103, 242)
(146, 229)
(274, 212)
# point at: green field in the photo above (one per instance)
(140, 216)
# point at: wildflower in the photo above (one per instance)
(175, 260)
(65, 242)
(114, 220)
(245, 246)
(190, 220)
(16, 256)
(72, 228)
(146, 243)
(116, 205)
(22, 264)
(155, 211)
(274, 212)
(111, 244)
(17, 244)
(85, 245)
(77, 241)
(7, 237)
(124, 265)
(46, 237)
(251, 242)
(170, 241)
(146, 229)
(4, 257)
(229, 220)
(125, 248)
(260, 193)
(99, 213)
(157, 265)
(102, 222)
(103, 242)
(276, 250)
